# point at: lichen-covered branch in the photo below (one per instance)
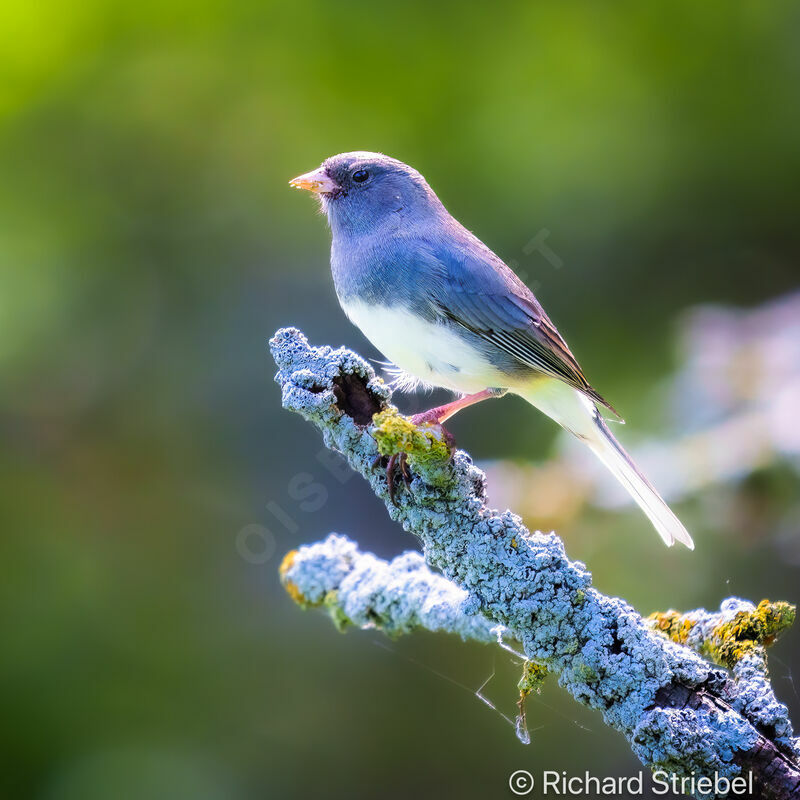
(738, 630)
(396, 597)
(679, 712)
(736, 637)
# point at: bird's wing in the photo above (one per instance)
(483, 295)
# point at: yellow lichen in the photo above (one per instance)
(294, 592)
(286, 563)
(291, 587)
(747, 633)
(673, 624)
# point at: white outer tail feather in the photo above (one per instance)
(610, 452)
(578, 414)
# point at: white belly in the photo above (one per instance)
(430, 352)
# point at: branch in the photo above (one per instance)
(677, 710)
(399, 596)
(736, 637)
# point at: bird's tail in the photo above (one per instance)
(579, 415)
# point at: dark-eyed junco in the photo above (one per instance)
(446, 310)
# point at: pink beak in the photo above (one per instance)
(317, 181)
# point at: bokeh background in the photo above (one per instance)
(150, 246)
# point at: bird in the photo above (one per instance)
(448, 312)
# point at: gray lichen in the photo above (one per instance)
(397, 596)
(677, 710)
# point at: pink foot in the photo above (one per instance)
(436, 416)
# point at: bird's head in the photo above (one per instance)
(362, 191)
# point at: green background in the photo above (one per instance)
(150, 246)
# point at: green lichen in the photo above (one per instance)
(340, 620)
(533, 675)
(587, 672)
(426, 445)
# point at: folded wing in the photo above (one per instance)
(481, 294)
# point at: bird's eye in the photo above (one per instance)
(360, 175)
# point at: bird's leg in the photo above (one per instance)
(436, 416)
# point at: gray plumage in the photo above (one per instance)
(447, 310)
(395, 243)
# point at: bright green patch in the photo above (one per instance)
(426, 445)
(340, 620)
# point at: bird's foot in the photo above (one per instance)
(397, 466)
(438, 415)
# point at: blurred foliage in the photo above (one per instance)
(149, 246)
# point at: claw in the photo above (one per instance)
(405, 472)
(399, 461)
(390, 478)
